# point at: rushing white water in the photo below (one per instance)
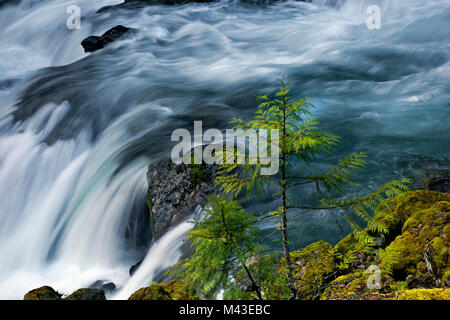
(166, 251)
(77, 130)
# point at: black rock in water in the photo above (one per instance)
(438, 180)
(94, 43)
(103, 285)
(4, 3)
(134, 268)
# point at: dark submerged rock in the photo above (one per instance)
(4, 3)
(437, 180)
(103, 285)
(43, 293)
(94, 43)
(135, 267)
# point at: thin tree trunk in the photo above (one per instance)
(241, 259)
(287, 254)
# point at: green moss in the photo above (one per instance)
(417, 240)
(423, 294)
(416, 250)
(446, 279)
(353, 286)
(313, 268)
(87, 294)
(346, 287)
(423, 242)
(396, 211)
(43, 293)
(347, 245)
(172, 290)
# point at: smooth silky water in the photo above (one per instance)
(78, 131)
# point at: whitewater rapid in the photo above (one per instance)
(78, 131)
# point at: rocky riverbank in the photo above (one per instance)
(413, 258)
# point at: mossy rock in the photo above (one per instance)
(446, 279)
(87, 294)
(394, 212)
(313, 267)
(43, 293)
(347, 245)
(350, 255)
(416, 250)
(172, 290)
(423, 294)
(354, 286)
(421, 253)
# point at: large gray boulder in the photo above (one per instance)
(175, 190)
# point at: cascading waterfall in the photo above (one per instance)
(169, 247)
(78, 131)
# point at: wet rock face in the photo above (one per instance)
(438, 180)
(94, 43)
(175, 191)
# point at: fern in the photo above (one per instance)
(365, 208)
(388, 258)
(220, 242)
